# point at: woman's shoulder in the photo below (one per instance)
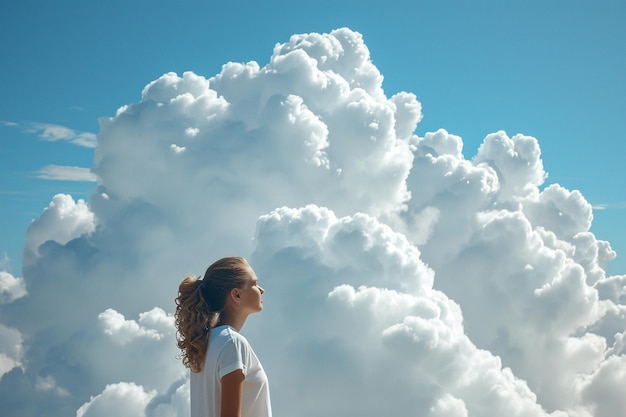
(227, 333)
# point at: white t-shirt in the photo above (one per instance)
(229, 351)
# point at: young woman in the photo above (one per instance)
(227, 379)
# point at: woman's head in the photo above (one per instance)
(201, 303)
(221, 278)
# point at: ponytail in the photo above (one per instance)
(194, 319)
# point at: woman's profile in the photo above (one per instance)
(227, 379)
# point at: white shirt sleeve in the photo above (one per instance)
(231, 358)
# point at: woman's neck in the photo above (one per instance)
(236, 321)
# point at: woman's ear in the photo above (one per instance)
(235, 294)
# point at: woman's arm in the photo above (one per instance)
(232, 392)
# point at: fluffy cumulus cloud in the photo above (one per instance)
(121, 399)
(402, 278)
(11, 288)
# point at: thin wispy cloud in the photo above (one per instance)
(53, 133)
(14, 192)
(4, 261)
(65, 173)
(620, 205)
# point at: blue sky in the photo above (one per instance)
(553, 70)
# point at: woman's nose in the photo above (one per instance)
(261, 289)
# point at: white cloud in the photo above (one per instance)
(448, 406)
(7, 363)
(11, 341)
(5, 261)
(606, 206)
(192, 131)
(411, 336)
(177, 149)
(122, 399)
(154, 324)
(175, 402)
(394, 267)
(53, 133)
(517, 161)
(63, 220)
(49, 384)
(11, 349)
(604, 388)
(85, 139)
(124, 331)
(11, 288)
(563, 212)
(65, 173)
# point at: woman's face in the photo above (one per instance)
(251, 294)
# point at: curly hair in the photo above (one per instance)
(199, 306)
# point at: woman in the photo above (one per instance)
(227, 379)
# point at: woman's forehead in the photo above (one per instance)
(251, 273)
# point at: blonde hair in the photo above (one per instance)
(199, 305)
